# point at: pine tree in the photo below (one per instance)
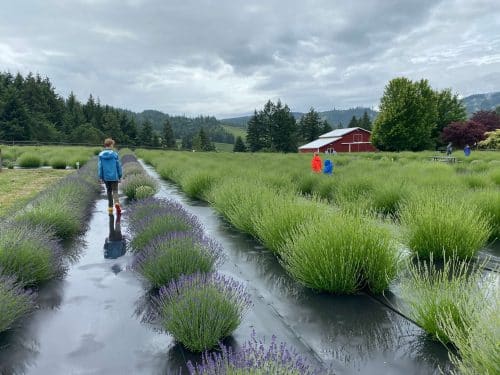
(353, 123)
(146, 134)
(168, 139)
(239, 145)
(256, 133)
(325, 127)
(364, 122)
(310, 126)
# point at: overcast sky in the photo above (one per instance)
(228, 57)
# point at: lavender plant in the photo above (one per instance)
(144, 192)
(168, 257)
(131, 183)
(30, 254)
(15, 302)
(254, 358)
(201, 309)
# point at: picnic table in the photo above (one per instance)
(446, 159)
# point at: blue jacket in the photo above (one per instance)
(109, 167)
(328, 169)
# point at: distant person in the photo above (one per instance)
(467, 150)
(333, 152)
(110, 172)
(328, 169)
(449, 149)
(316, 163)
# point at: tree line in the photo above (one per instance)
(31, 110)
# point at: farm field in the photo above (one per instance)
(366, 222)
(19, 185)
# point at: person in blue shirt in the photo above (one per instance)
(467, 150)
(328, 169)
(110, 172)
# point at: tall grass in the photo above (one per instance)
(451, 293)
(488, 202)
(202, 309)
(29, 160)
(443, 225)
(341, 254)
(14, 302)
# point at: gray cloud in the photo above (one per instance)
(228, 57)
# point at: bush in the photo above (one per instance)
(341, 254)
(488, 202)
(443, 225)
(131, 183)
(253, 358)
(29, 254)
(168, 257)
(58, 163)
(478, 344)
(14, 302)
(452, 292)
(143, 192)
(29, 160)
(198, 184)
(59, 216)
(202, 309)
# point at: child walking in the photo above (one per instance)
(110, 172)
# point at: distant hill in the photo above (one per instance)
(477, 102)
(334, 117)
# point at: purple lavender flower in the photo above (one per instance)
(254, 357)
(199, 310)
(128, 158)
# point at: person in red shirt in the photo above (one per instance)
(316, 163)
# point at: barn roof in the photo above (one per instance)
(319, 143)
(340, 132)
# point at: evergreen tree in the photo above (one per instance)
(365, 122)
(202, 142)
(310, 126)
(15, 122)
(239, 145)
(284, 129)
(187, 142)
(146, 134)
(408, 114)
(168, 139)
(353, 123)
(256, 138)
(325, 127)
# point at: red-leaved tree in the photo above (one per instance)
(464, 133)
(489, 119)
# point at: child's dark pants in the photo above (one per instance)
(112, 191)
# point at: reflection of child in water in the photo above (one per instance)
(114, 245)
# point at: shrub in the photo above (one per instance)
(488, 202)
(478, 344)
(29, 160)
(282, 216)
(453, 292)
(253, 358)
(387, 197)
(130, 184)
(341, 254)
(57, 215)
(198, 184)
(443, 225)
(144, 192)
(168, 257)
(14, 302)
(30, 254)
(58, 163)
(202, 309)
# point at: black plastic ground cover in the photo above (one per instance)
(90, 322)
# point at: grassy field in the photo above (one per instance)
(236, 131)
(19, 185)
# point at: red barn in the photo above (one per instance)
(341, 140)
